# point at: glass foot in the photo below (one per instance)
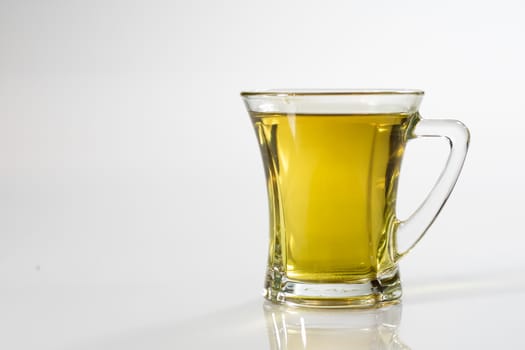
(372, 293)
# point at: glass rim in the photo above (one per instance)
(330, 92)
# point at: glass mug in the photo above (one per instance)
(332, 160)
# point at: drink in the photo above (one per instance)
(332, 186)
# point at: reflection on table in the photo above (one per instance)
(291, 328)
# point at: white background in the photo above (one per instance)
(127, 160)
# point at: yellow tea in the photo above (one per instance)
(332, 183)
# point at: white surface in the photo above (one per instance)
(483, 312)
(128, 163)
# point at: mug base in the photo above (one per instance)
(365, 294)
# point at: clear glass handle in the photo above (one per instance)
(458, 137)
